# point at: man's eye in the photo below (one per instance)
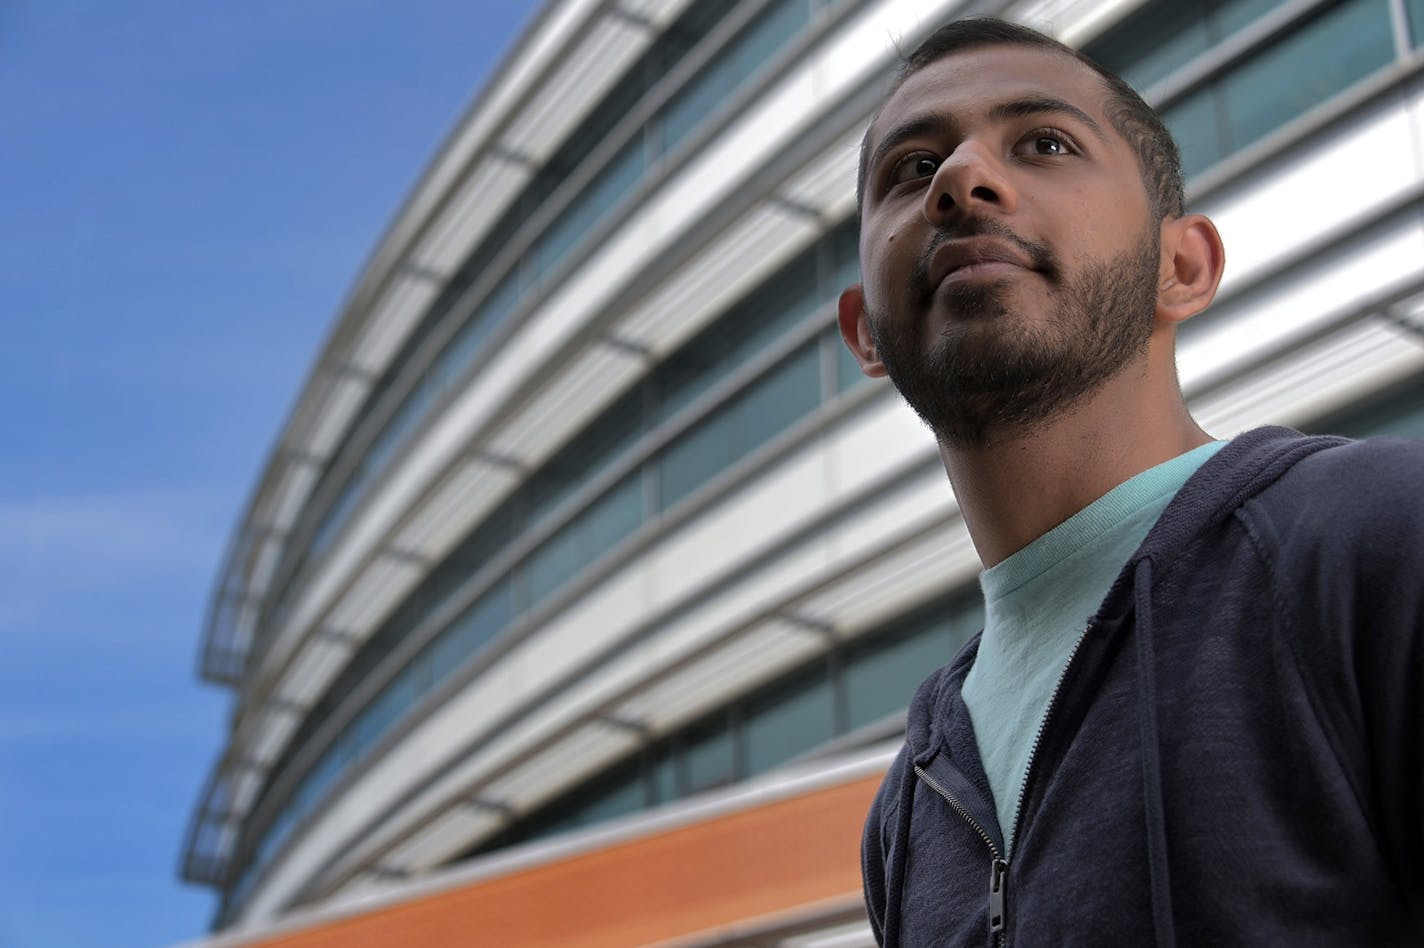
(913, 167)
(1046, 142)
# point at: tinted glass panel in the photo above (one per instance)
(709, 760)
(699, 453)
(1159, 39)
(1399, 414)
(1325, 56)
(1416, 20)
(1195, 124)
(792, 720)
(882, 674)
(1235, 14)
(770, 406)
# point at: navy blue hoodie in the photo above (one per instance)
(1233, 753)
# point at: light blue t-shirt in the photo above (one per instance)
(1037, 603)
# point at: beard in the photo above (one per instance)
(991, 370)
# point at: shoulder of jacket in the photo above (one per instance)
(1348, 491)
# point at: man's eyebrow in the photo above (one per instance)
(1039, 105)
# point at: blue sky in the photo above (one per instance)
(189, 192)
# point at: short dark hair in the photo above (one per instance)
(1137, 122)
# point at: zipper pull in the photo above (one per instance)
(998, 881)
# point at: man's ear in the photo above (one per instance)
(855, 330)
(1190, 269)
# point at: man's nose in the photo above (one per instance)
(971, 180)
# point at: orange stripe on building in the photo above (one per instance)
(723, 870)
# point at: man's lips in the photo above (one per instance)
(973, 257)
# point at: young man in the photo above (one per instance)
(1194, 714)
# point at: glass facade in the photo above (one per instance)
(439, 354)
(769, 362)
(1324, 51)
(851, 686)
(794, 304)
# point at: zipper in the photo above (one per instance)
(1043, 726)
(998, 865)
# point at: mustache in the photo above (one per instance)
(1040, 255)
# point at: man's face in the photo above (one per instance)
(1009, 257)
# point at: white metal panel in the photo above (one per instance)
(741, 663)
(828, 180)
(444, 837)
(864, 596)
(344, 397)
(392, 318)
(525, 68)
(572, 396)
(313, 668)
(1391, 258)
(295, 487)
(483, 196)
(267, 554)
(883, 436)
(1319, 379)
(471, 491)
(381, 585)
(271, 735)
(1072, 21)
(1267, 219)
(561, 765)
(597, 623)
(660, 12)
(243, 790)
(738, 259)
(607, 48)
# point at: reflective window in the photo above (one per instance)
(1415, 9)
(1322, 54)
(1398, 413)
(709, 759)
(1321, 58)
(853, 686)
(732, 66)
(783, 723)
(1195, 122)
(800, 294)
(757, 42)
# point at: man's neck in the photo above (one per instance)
(1020, 485)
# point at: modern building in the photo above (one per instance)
(581, 598)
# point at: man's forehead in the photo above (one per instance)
(985, 76)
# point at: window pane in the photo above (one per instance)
(662, 779)
(790, 392)
(882, 674)
(1416, 21)
(694, 457)
(731, 66)
(589, 207)
(1399, 414)
(795, 718)
(614, 516)
(1195, 125)
(709, 760)
(1148, 46)
(1235, 14)
(587, 454)
(743, 333)
(1327, 55)
(553, 563)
